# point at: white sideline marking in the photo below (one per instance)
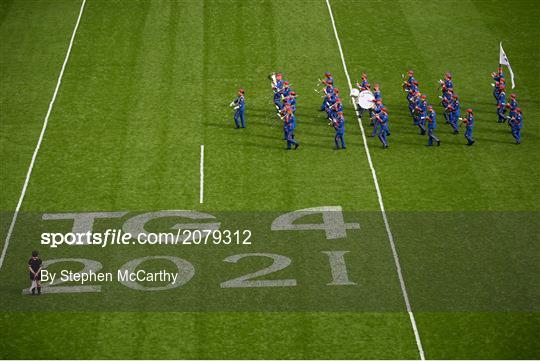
(40, 139)
(379, 196)
(201, 185)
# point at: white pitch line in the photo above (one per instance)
(40, 139)
(379, 196)
(201, 184)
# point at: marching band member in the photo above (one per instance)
(516, 122)
(496, 90)
(455, 112)
(432, 125)
(408, 83)
(382, 119)
(446, 100)
(420, 114)
(376, 96)
(377, 109)
(498, 78)
(411, 98)
(286, 90)
(499, 74)
(339, 125)
(469, 124)
(377, 92)
(414, 86)
(447, 81)
(449, 111)
(289, 127)
(239, 105)
(328, 79)
(364, 84)
(501, 104)
(328, 92)
(511, 106)
(279, 80)
(291, 101)
(277, 98)
(334, 109)
(329, 100)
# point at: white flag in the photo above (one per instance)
(503, 60)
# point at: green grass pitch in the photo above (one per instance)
(148, 82)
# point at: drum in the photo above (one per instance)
(365, 99)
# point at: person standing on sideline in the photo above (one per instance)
(34, 266)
